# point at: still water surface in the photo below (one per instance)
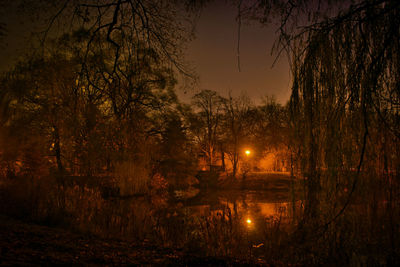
(221, 222)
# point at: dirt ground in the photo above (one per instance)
(23, 244)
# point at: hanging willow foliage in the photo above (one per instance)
(346, 96)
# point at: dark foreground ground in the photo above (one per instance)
(35, 245)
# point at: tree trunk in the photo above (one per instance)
(312, 174)
(223, 159)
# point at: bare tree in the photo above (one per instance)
(209, 115)
(235, 125)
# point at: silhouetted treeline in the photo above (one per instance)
(58, 121)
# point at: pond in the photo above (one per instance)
(255, 212)
(217, 222)
(251, 205)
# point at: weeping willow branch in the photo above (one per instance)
(341, 73)
(239, 19)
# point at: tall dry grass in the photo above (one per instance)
(132, 178)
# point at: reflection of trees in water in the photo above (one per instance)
(219, 218)
(244, 202)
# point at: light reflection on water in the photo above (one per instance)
(219, 222)
(254, 210)
(250, 205)
(252, 216)
(143, 217)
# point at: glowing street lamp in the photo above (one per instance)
(248, 221)
(247, 152)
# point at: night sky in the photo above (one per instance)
(213, 54)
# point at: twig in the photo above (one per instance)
(239, 19)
